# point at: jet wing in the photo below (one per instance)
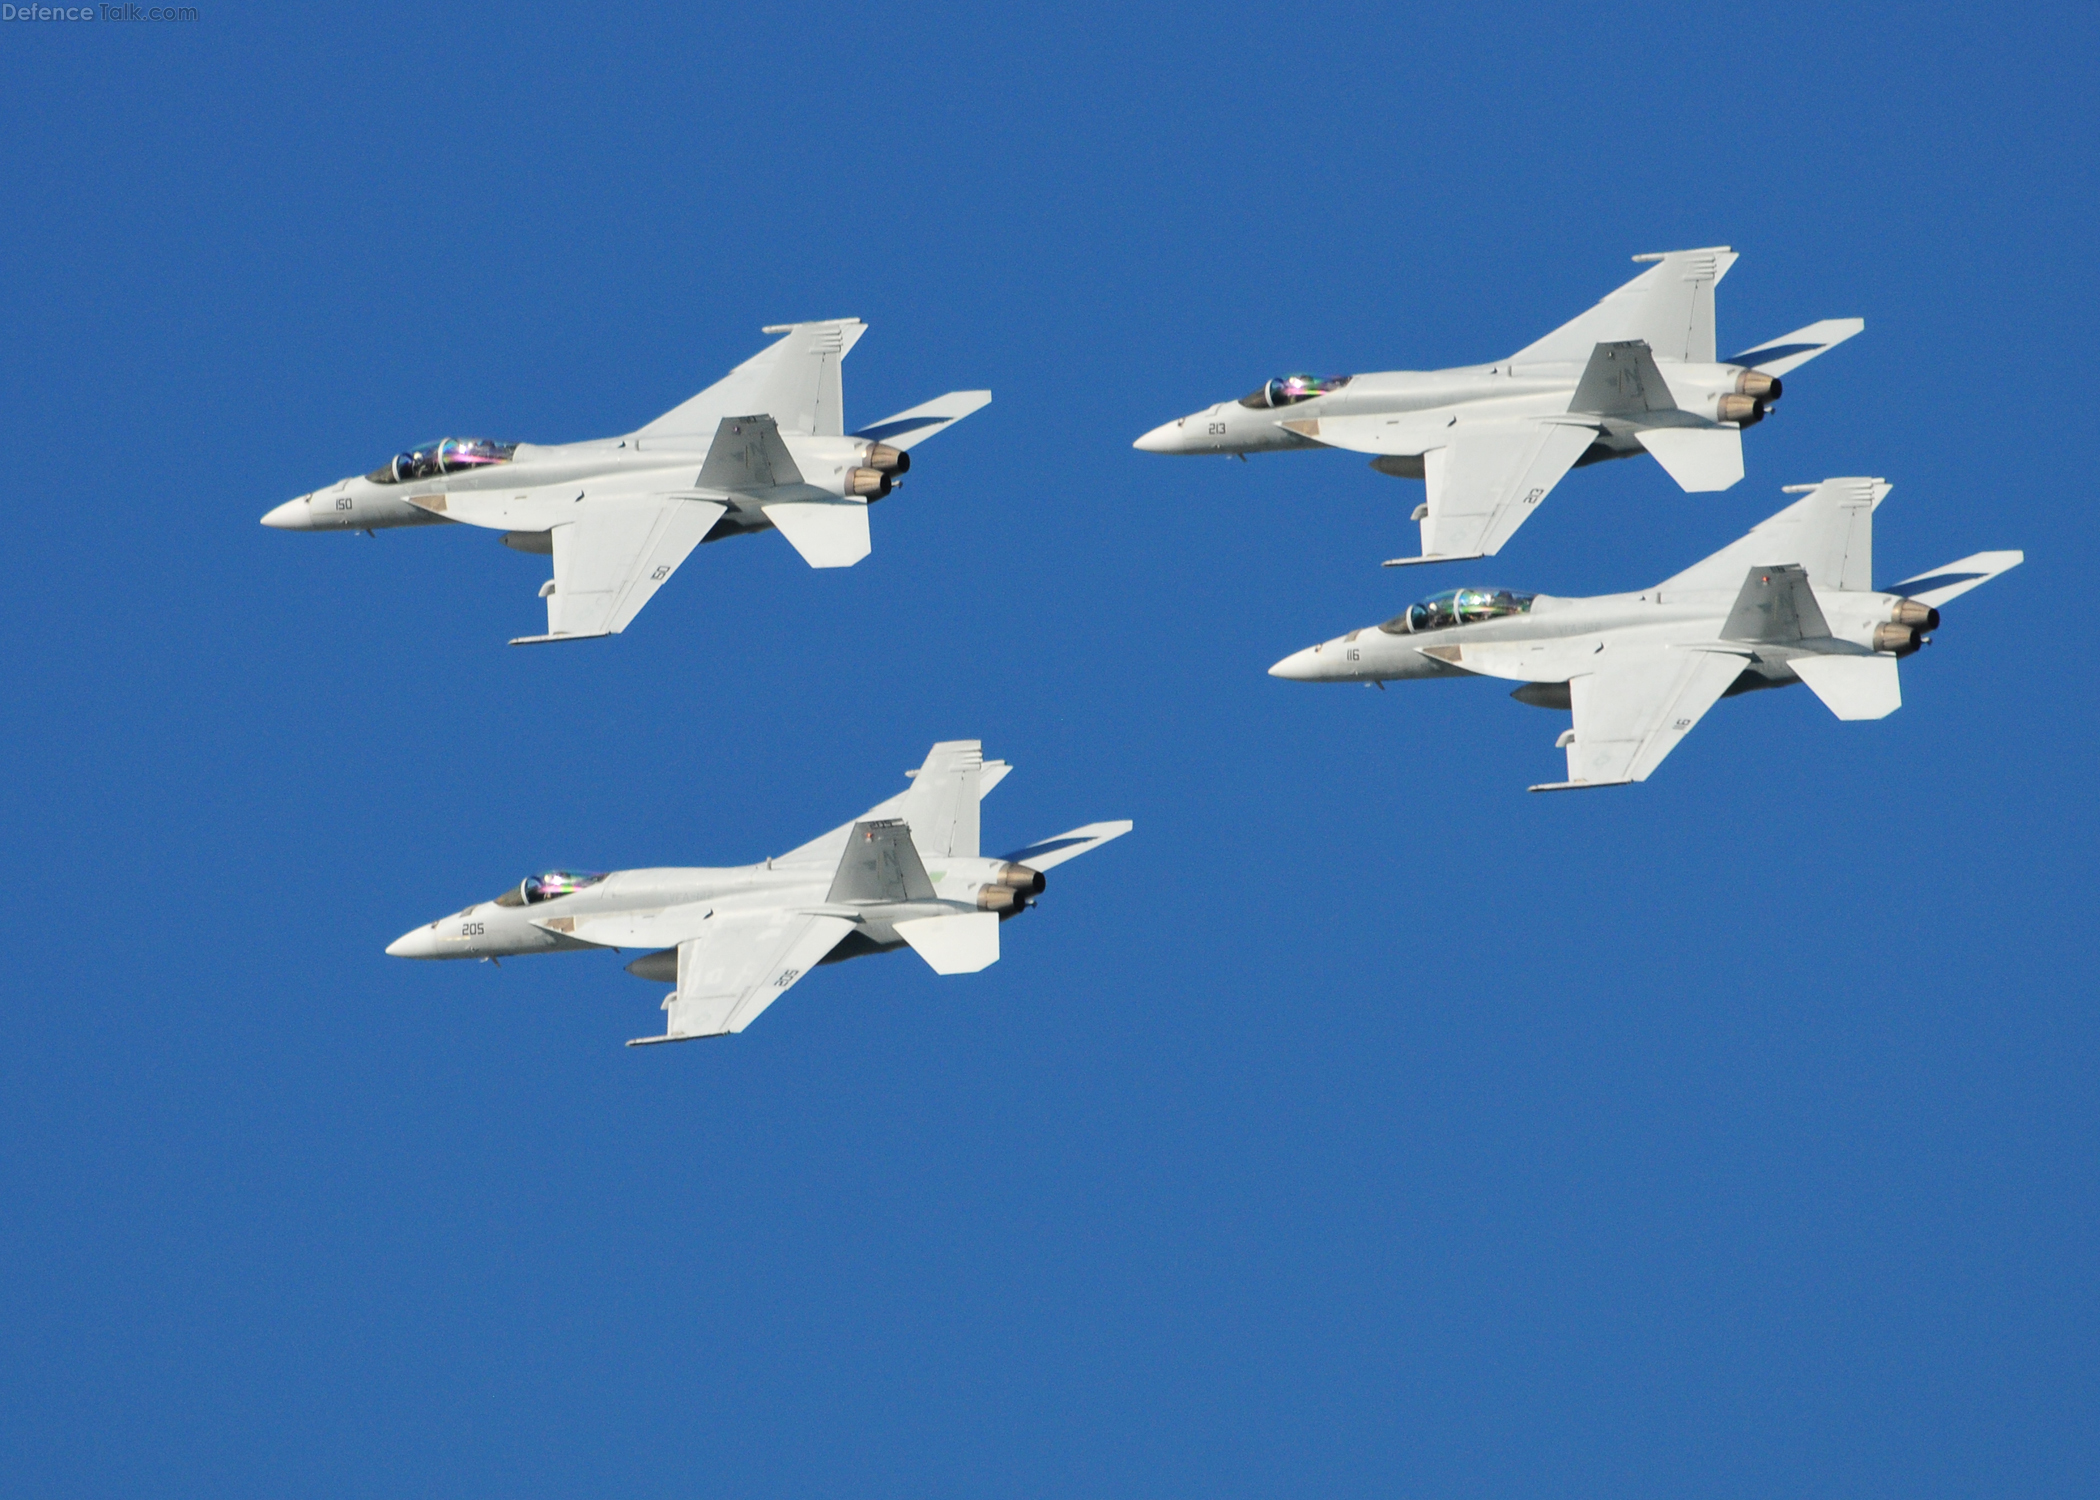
(613, 557)
(795, 380)
(741, 963)
(954, 770)
(1829, 532)
(1486, 481)
(1670, 306)
(1633, 710)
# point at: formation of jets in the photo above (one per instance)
(767, 447)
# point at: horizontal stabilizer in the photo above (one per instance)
(1956, 578)
(828, 534)
(1777, 356)
(1852, 687)
(910, 428)
(1776, 605)
(961, 944)
(1700, 459)
(1047, 854)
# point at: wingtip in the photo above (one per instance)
(1430, 557)
(1654, 255)
(541, 640)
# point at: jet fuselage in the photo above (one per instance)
(1556, 639)
(516, 923)
(539, 486)
(1468, 393)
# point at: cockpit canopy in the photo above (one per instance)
(1457, 607)
(445, 456)
(1288, 390)
(534, 889)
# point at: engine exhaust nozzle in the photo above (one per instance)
(1744, 411)
(1765, 388)
(1901, 639)
(998, 898)
(1911, 612)
(1020, 878)
(888, 460)
(869, 484)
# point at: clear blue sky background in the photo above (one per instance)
(1360, 1125)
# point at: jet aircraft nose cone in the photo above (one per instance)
(1165, 438)
(419, 943)
(290, 516)
(1300, 666)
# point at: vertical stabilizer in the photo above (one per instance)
(1777, 605)
(880, 864)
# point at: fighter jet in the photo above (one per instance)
(907, 871)
(1790, 602)
(1636, 373)
(764, 447)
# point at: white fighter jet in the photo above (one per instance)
(906, 871)
(1793, 601)
(1636, 373)
(765, 446)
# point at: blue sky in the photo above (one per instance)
(1359, 1125)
